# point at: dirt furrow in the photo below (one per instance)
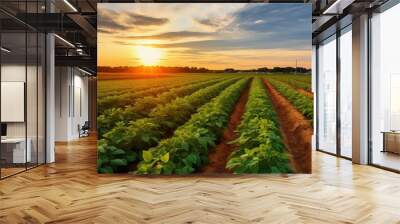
(218, 157)
(296, 130)
(306, 93)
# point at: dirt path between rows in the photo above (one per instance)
(295, 128)
(306, 93)
(218, 157)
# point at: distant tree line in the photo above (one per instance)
(164, 69)
(146, 69)
(272, 70)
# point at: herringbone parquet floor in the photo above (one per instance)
(70, 191)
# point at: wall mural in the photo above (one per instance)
(204, 88)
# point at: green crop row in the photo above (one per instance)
(302, 103)
(107, 92)
(260, 145)
(120, 86)
(124, 144)
(302, 78)
(188, 148)
(293, 81)
(145, 105)
(129, 98)
(114, 87)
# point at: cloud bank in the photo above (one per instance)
(247, 34)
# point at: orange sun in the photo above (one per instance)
(148, 55)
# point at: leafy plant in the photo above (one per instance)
(296, 81)
(141, 134)
(302, 103)
(129, 96)
(112, 159)
(188, 148)
(260, 146)
(143, 106)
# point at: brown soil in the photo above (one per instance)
(219, 156)
(295, 128)
(305, 93)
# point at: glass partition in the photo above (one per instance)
(385, 89)
(14, 153)
(22, 88)
(346, 92)
(32, 98)
(327, 95)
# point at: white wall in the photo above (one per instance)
(71, 94)
(62, 81)
(80, 110)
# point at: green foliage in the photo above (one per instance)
(260, 159)
(136, 135)
(143, 106)
(130, 93)
(125, 99)
(260, 146)
(188, 148)
(302, 103)
(141, 134)
(296, 81)
(111, 117)
(169, 129)
(147, 156)
(111, 159)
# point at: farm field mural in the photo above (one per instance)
(224, 91)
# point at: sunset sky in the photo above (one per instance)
(215, 36)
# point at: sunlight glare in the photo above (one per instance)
(148, 56)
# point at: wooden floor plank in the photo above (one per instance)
(70, 191)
